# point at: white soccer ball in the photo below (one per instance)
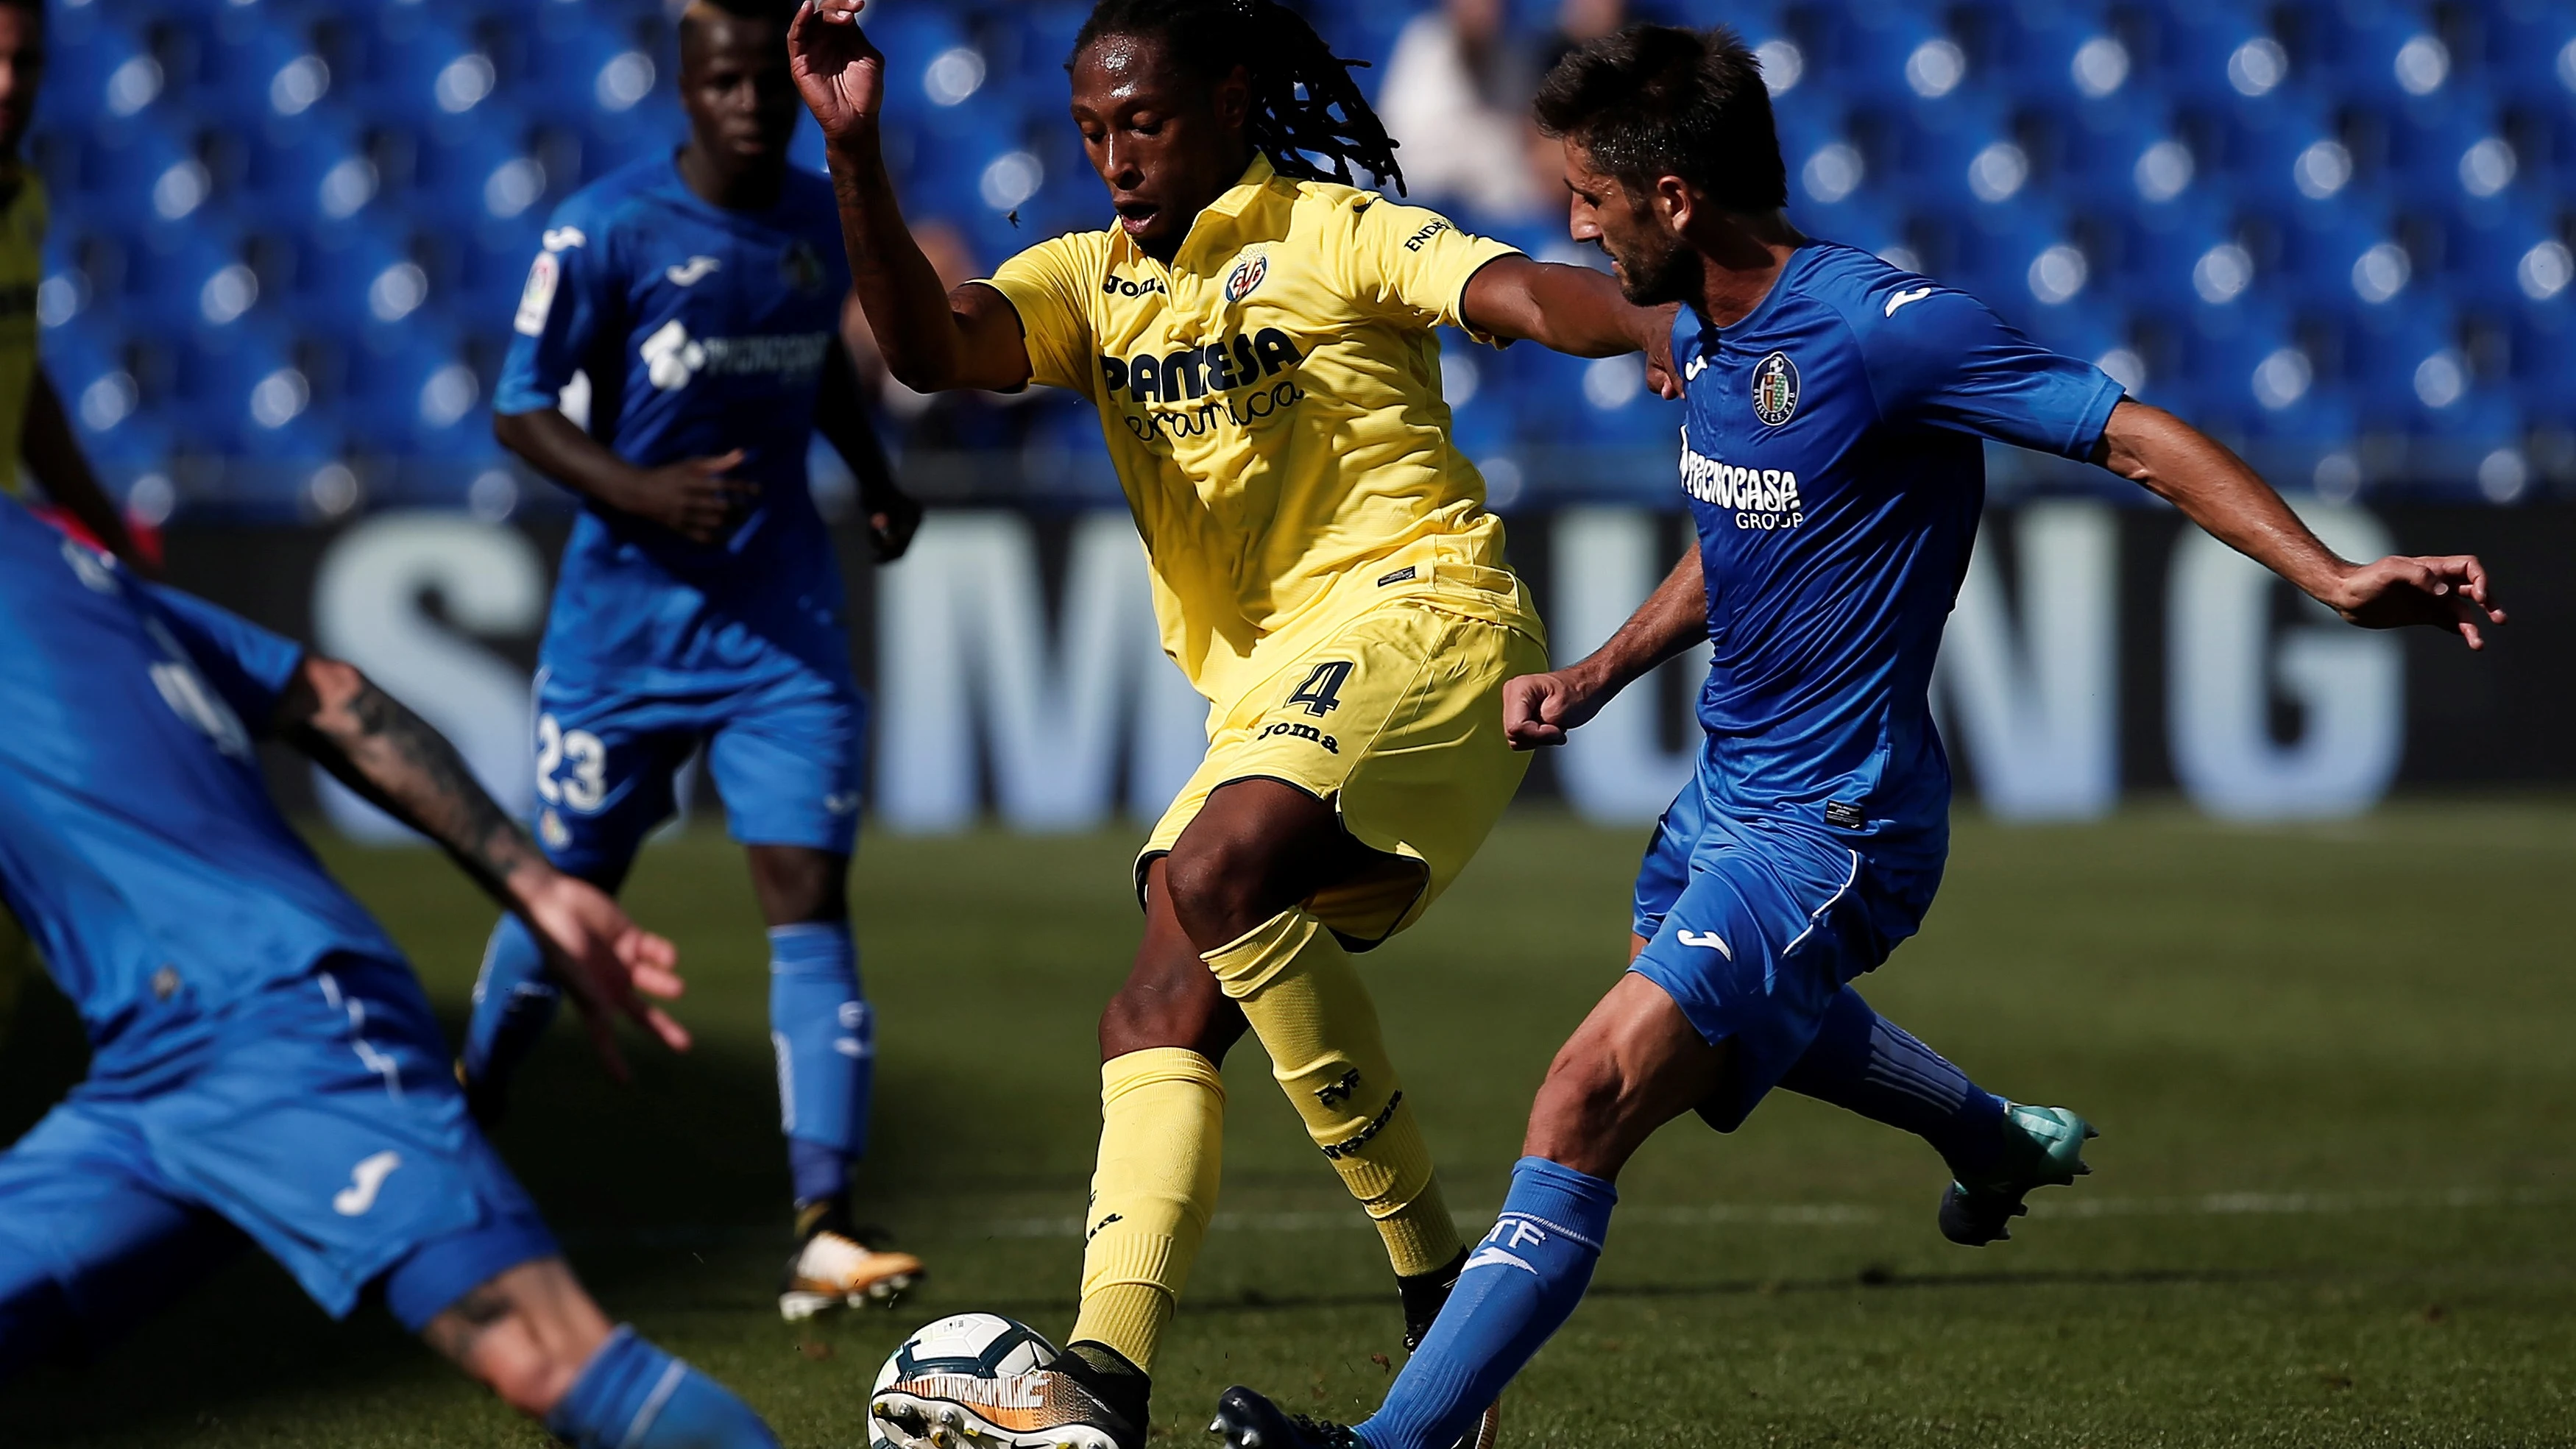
(974, 1345)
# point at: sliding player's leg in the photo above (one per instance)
(92, 1241)
(786, 758)
(535, 1337)
(605, 767)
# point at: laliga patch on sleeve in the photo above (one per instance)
(538, 301)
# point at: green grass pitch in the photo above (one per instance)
(2333, 1069)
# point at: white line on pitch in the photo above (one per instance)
(2215, 1204)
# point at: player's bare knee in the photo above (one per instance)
(1217, 887)
(797, 885)
(526, 1333)
(1584, 1114)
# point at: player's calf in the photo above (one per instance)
(535, 1337)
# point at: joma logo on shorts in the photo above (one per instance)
(1294, 730)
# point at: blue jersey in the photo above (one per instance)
(701, 330)
(1833, 456)
(138, 844)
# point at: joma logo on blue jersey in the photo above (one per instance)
(1220, 366)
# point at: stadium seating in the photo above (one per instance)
(290, 233)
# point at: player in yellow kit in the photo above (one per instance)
(1257, 335)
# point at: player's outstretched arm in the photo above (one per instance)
(372, 744)
(2215, 489)
(933, 340)
(1572, 310)
(1538, 709)
(53, 453)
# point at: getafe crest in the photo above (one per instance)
(799, 268)
(1246, 276)
(1775, 389)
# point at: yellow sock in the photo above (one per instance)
(1162, 1135)
(1306, 1002)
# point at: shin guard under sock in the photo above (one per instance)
(825, 1039)
(1162, 1135)
(1519, 1286)
(1305, 1000)
(632, 1395)
(1867, 1064)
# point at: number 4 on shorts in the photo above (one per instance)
(1322, 689)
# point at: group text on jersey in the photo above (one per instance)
(1763, 498)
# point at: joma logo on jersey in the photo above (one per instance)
(1220, 366)
(1762, 498)
(1121, 287)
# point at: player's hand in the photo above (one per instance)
(2443, 593)
(894, 516)
(609, 963)
(696, 498)
(1538, 709)
(838, 70)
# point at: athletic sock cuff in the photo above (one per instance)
(811, 947)
(1254, 959)
(1575, 1203)
(1121, 1075)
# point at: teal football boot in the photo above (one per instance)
(2043, 1147)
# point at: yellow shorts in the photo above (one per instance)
(1397, 719)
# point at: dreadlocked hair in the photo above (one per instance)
(1308, 116)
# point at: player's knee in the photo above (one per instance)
(797, 885)
(529, 1376)
(1220, 888)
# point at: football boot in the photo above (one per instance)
(2043, 1147)
(1047, 1408)
(1245, 1420)
(834, 1267)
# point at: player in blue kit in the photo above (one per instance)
(700, 607)
(263, 1065)
(1835, 414)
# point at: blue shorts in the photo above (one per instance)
(1752, 927)
(785, 755)
(317, 1118)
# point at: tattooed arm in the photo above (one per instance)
(390, 756)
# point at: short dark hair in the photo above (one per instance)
(1659, 100)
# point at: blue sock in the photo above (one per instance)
(1865, 1063)
(1519, 1285)
(632, 1395)
(825, 1038)
(514, 1002)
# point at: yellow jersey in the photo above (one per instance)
(1272, 404)
(22, 266)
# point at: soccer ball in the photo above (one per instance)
(975, 1345)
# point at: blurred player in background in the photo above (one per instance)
(263, 1063)
(700, 606)
(1832, 457)
(1257, 335)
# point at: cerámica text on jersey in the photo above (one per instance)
(1220, 366)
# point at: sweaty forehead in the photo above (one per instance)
(1122, 69)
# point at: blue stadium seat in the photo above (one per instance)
(419, 397)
